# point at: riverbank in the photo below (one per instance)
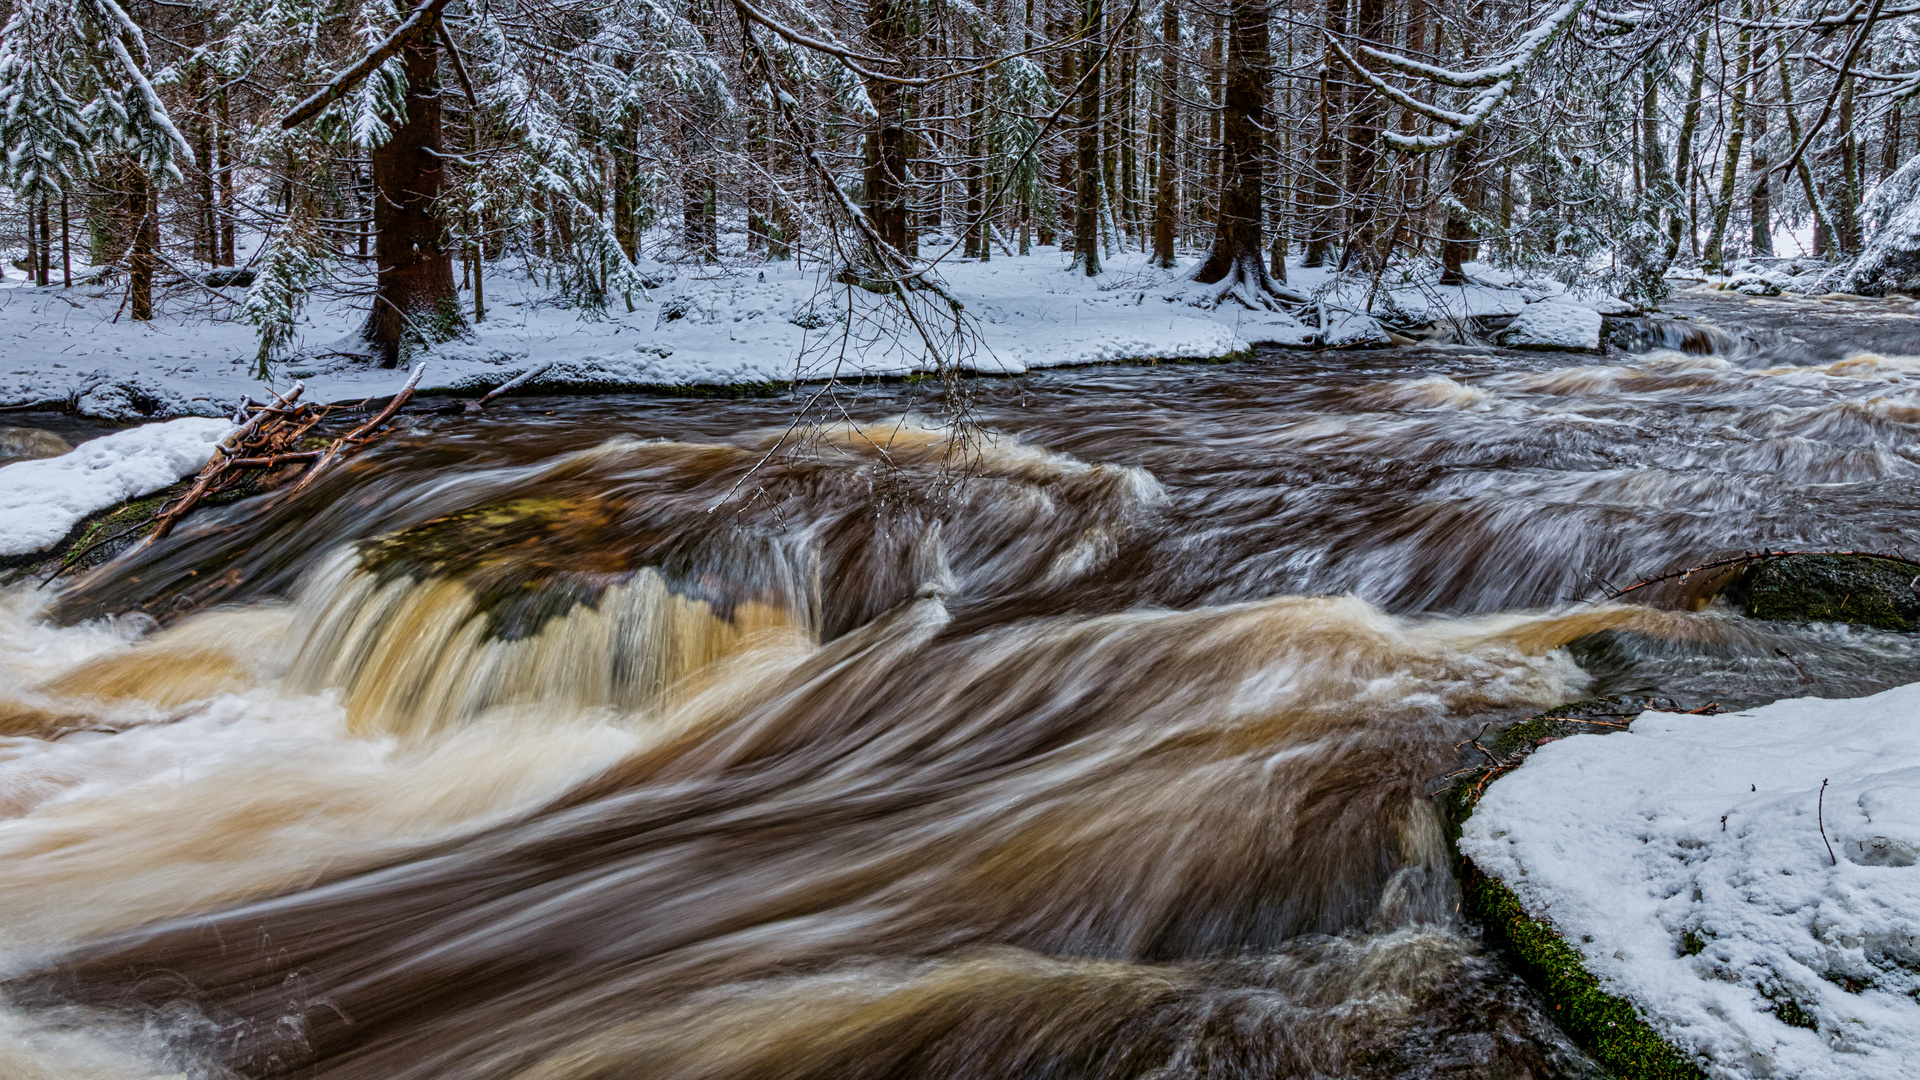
(721, 330)
(1746, 880)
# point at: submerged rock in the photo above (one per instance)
(1554, 325)
(29, 444)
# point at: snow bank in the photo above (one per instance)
(1554, 324)
(709, 326)
(1685, 860)
(40, 501)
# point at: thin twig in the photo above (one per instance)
(1822, 816)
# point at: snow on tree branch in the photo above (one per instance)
(1496, 82)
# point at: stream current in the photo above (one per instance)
(641, 737)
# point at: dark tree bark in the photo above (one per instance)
(44, 264)
(33, 248)
(414, 299)
(1715, 255)
(1237, 262)
(146, 238)
(66, 244)
(1086, 198)
(978, 229)
(1459, 242)
(1363, 153)
(1327, 157)
(223, 146)
(625, 136)
(886, 173)
(1166, 134)
(1678, 219)
(1760, 203)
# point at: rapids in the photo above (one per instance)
(1093, 736)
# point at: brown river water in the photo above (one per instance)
(651, 737)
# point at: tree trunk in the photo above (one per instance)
(66, 245)
(1363, 151)
(33, 247)
(976, 243)
(1166, 210)
(1677, 220)
(146, 237)
(1459, 241)
(626, 133)
(1715, 255)
(223, 147)
(414, 298)
(1846, 217)
(1821, 230)
(1760, 203)
(1237, 261)
(886, 172)
(1327, 156)
(1086, 200)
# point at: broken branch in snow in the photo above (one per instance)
(265, 427)
(510, 385)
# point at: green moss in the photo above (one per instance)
(1829, 588)
(1789, 1010)
(1530, 733)
(1604, 1025)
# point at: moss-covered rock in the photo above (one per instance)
(1605, 1025)
(1829, 588)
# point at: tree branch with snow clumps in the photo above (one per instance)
(1496, 83)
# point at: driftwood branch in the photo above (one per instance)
(217, 466)
(268, 440)
(510, 385)
(354, 439)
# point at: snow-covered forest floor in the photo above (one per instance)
(716, 326)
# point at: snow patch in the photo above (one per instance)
(1684, 859)
(40, 501)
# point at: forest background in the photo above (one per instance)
(360, 148)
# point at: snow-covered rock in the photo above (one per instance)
(1347, 330)
(1754, 284)
(41, 500)
(1685, 859)
(1604, 304)
(1554, 324)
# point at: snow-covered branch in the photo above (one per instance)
(1495, 82)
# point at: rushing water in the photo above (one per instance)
(630, 737)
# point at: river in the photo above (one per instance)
(632, 736)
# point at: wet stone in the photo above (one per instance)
(1830, 588)
(29, 444)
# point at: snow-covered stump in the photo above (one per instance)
(1745, 886)
(1553, 325)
